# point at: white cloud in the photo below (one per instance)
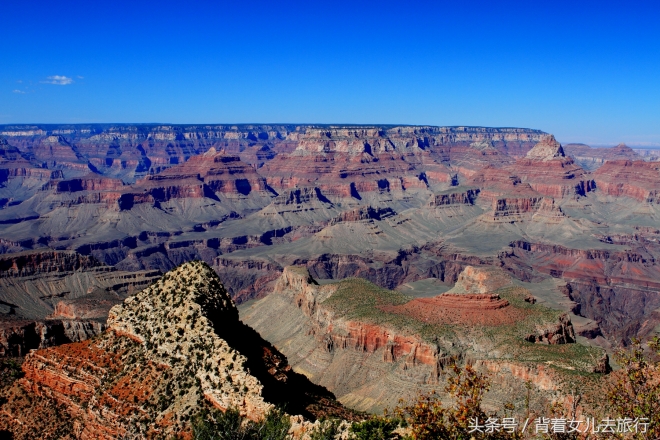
(58, 80)
(19, 91)
(20, 81)
(80, 77)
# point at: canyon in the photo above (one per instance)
(441, 237)
(392, 204)
(372, 347)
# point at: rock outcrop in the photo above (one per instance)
(547, 149)
(31, 263)
(449, 198)
(616, 288)
(168, 352)
(480, 280)
(559, 333)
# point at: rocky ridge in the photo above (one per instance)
(168, 352)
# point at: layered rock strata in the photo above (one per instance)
(372, 347)
(635, 179)
(169, 351)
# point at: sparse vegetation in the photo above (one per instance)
(328, 429)
(428, 419)
(230, 425)
(635, 391)
(374, 428)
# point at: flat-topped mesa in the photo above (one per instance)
(473, 290)
(635, 179)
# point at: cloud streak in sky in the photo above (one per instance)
(19, 91)
(59, 80)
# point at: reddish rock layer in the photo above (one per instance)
(454, 198)
(636, 179)
(618, 289)
(41, 262)
(159, 364)
(467, 309)
(87, 183)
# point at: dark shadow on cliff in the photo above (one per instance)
(282, 386)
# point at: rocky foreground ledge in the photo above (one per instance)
(170, 351)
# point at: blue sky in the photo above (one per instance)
(585, 71)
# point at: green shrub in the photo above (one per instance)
(327, 430)
(375, 428)
(230, 425)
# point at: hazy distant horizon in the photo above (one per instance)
(598, 144)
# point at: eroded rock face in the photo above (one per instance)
(480, 280)
(371, 362)
(31, 263)
(168, 352)
(449, 198)
(560, 333)
(616, 288)
(592, 158)
(636, 179)
(176, 319)
(547, 149)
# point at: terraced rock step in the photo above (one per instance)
(372, 347)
